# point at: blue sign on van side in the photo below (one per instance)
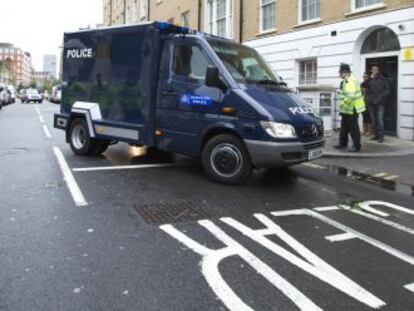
(194, 100)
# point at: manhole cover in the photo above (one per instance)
(170, 212)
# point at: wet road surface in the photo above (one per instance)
(128, 232)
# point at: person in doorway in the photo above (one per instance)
(377, 91)
(351, 104)
(367, 122)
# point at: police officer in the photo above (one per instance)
(351, 104)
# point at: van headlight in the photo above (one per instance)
(279, 130)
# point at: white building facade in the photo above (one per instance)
(309, 60)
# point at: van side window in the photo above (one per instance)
(190, 63)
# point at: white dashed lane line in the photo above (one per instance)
(42, 122)
(46, 131)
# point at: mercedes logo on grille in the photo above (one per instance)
(314, 130)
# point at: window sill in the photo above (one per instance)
(267, 32)
(310, 22)
(366, 9)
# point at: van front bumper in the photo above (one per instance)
(278, 154)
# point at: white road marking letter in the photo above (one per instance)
(379, 219)
(340, 237)
(386, 204)
(326, 208)
(313, 264)
(382, 246)
(410, 287)
(211, 259)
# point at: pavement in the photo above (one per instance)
(391, 147)
(389, 163)
(163, 237)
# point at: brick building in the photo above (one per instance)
(305, 41)
(16, 64)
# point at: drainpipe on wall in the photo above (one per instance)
(124, 12)
(148, 9)
(241, 22)
(199, 15)
(110, 12)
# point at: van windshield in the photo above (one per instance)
(244, 63)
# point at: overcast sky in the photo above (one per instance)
(37, 26)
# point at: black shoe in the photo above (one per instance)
(374, 138)
(381, 140)
(354, 149)
(340, 147)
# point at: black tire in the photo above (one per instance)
(100, 146)
(226, 160)
(81, 142)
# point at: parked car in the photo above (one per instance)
(33, 95)
(12, 93)
(56, 95)
(4, 95)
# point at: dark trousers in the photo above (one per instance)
(377, 117)
(350, 126)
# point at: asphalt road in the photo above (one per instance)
(129, 237)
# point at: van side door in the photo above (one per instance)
(185, 105)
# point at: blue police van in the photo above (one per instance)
(181, 91)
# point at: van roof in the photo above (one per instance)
(168, 27)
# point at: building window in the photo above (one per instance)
(309, 10)
(220, 16)
(381, 40)
(267, 15)
(143, 8)
(308, 71)
(185, 19)
(361, 4)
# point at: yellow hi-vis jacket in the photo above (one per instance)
(350, 97)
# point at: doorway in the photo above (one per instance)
(389, 68)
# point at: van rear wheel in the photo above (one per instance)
(226, 160)
(80, 141)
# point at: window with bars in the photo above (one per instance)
(267, 15)
(309, 10)
(220, 15)
(185, 21)
(308, 71)
(360, 4)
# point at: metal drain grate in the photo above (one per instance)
(170, 212)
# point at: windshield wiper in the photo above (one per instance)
(271, 82)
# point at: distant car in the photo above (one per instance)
(56, 95)
(33, 95)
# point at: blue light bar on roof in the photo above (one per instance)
(171, 28)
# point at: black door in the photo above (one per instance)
(389, 68)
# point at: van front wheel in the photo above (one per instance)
(226, 160)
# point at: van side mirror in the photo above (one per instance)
(213, 78)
